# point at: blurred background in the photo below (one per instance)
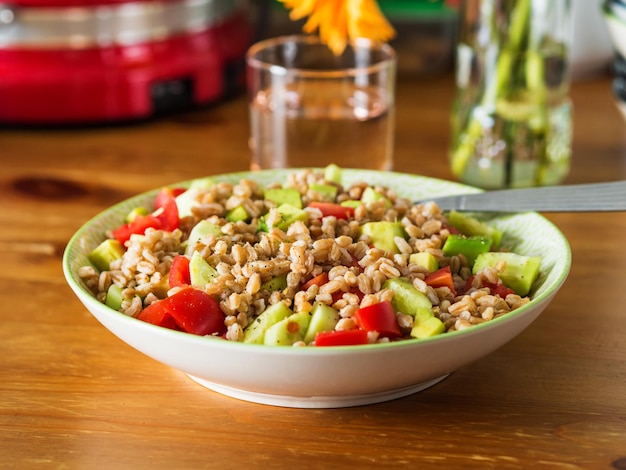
(86, 61)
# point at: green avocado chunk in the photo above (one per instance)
(519, 274)
(425, 324)
(382, 234)
(107, 251)
(425, 260)
(255, 331)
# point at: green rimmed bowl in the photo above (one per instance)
(329, 377)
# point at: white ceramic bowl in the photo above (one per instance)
(331, 376)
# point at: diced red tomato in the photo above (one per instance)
(318, 280)
(380, 317)
(451, 229)
(336, 210)
(165, 194)
(165, 217)
(179, 272)
(441, 278)
(498, 289)
(157, 315)
(139, 225)
(341, 338)
(494, 289)
(167, 210)
(192, 310)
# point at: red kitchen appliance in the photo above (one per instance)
(87, 61)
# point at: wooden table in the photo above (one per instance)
(74, 396)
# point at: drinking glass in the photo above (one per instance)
(309, 107)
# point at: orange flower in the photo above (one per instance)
(340, 21)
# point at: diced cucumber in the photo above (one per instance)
(107, 251)
(425, 260)
(202, 229)
(185, 201)
(255, 331)
(238, 214)
(332, 173)
(323, 318)
(371, 195)
(406, 298)
(382, 234)
(351, 203)
(520, 272)
(201, 272)
(289, 330)
(470, 247)
(114, 297)
(276, 283)
(288, 215)
(471, 226)
(281, 196)
(327, 191)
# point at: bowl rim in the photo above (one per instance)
(87, 297)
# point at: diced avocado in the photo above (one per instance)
(371, 195)
(107, 251)
(114, 297)
(201, 272)
(276, 283)
(327, 191)
(281, 196)
(161, 288)
(382, 234)
(471, 226)
(255, 331)
(238, 214)
(134, 213)
(406, 298)
(289, 330)
(332, 173)
(520, 272)
(288, 215)
(323, 318)
(425, 324)
(470, 247)
(425, 260)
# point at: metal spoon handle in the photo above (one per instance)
(594, 197)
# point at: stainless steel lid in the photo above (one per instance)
(107, 25)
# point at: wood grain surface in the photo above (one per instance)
(73, 396)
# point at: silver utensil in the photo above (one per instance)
(594, 197)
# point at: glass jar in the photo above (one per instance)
(512, 117)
